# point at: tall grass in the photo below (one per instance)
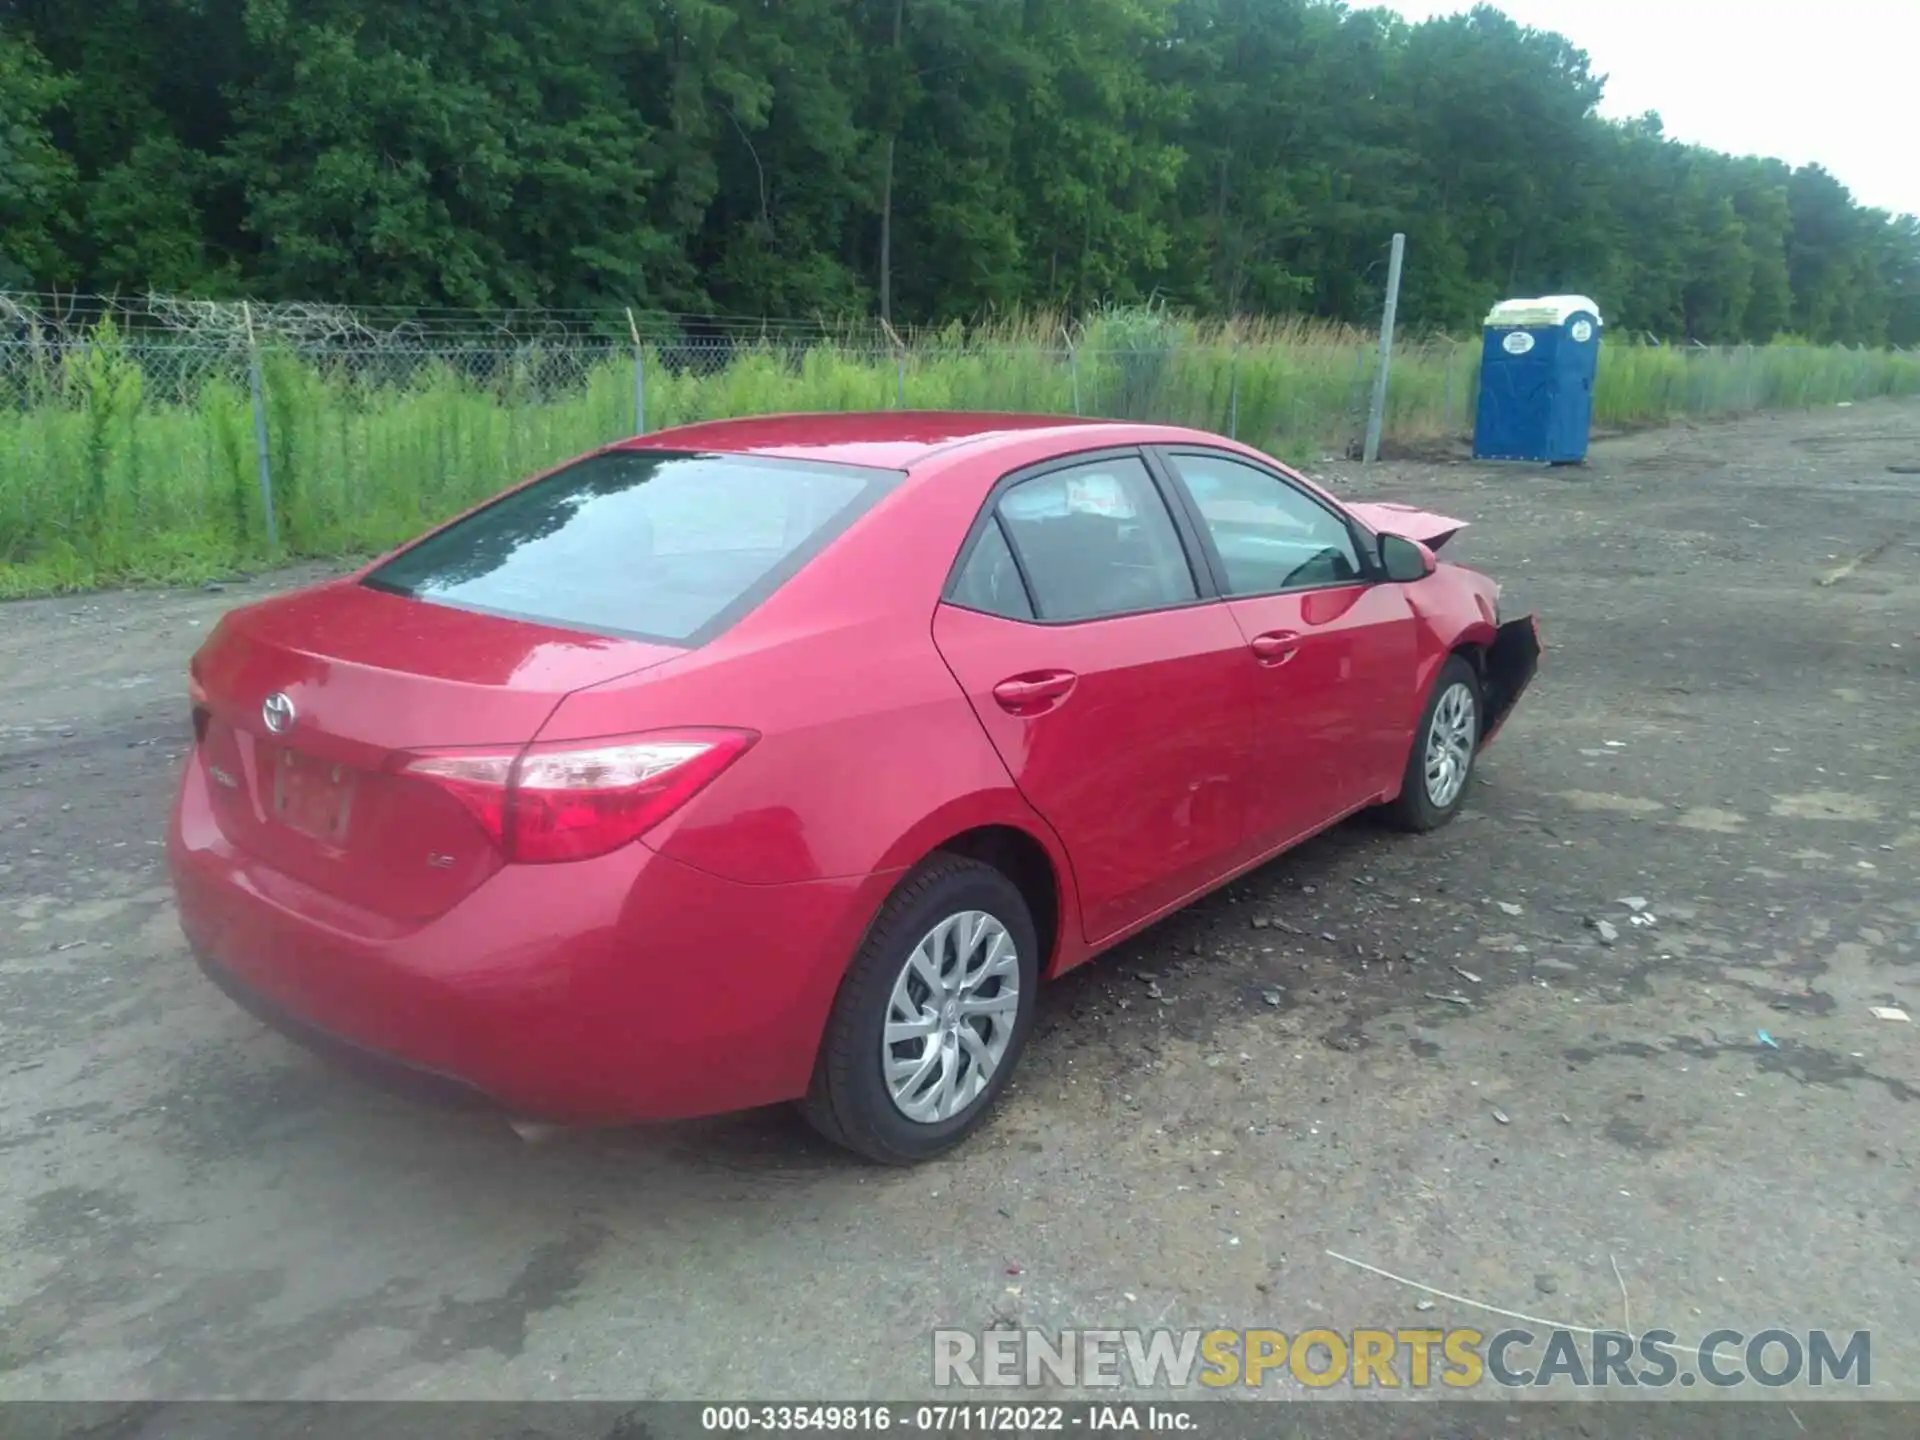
(134, 459)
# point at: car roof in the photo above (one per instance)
(888, 439)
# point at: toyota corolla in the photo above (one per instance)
(784, 759)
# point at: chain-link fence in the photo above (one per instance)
(168, 436)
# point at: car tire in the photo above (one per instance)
(936, 913)
(1456, 698)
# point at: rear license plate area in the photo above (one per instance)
(312, 796)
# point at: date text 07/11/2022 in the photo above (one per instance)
(979, 1419)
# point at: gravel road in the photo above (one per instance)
(1422, 1054)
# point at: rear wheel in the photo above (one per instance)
(1445, 745)
(931, 1018)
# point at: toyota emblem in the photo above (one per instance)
(277, 711)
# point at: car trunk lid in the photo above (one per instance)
(312, 701)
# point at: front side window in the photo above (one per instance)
(1096, 540)
(1270, 536)
(652, 543)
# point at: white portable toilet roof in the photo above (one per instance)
(1546, 310)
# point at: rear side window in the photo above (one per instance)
(1096, 539)
(658, 545)
(990, 582)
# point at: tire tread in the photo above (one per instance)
(827, 1105)
(1411, 810)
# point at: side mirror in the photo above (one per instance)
(1405, 560)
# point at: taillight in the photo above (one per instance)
(572, 800)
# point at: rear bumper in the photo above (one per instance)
(630, 987)
(387, 1071)
(1511, 663)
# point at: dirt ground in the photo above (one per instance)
(1417, 1053)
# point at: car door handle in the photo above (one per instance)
(1035, 692)
(1276, 647)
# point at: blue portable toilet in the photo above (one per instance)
(1537, 367)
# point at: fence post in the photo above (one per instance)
(639, 377)
(1073, 367)
(1233, 391)
(899, 364)
(1447, 417)
(1377, 412)
(260, 428)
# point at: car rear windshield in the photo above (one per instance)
(652, 544)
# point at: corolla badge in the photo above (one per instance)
(277, 711)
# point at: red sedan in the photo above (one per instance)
(782, 759)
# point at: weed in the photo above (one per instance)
(125, 459)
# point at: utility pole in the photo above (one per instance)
(886, 193)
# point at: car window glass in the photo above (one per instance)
(654, 543)
(1269, 535)
(990, 581)
(1096, 539)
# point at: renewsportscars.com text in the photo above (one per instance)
(1401, 1358)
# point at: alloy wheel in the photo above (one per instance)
(1450, 740)
(950, 1017)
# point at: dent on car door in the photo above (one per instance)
(1333, 650)
(1115, 692)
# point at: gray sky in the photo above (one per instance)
(1827, 82)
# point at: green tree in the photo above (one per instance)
(147, 112)
(1826, 260)
(788, 169)
(1501, 118)
(1901, 267)
(930, 159)
(1289, 187)
(449, 153)
(36, 178)
(1759, 190)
